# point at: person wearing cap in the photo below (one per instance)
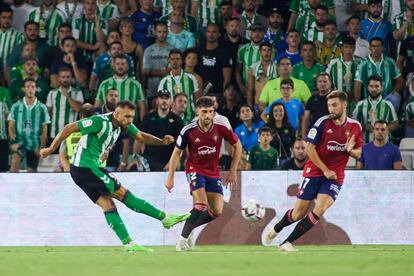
(30, 70)
(274, 34)
(292, 52)
(300, 8)
(159, 123)
(249, 54)
(376, 26)
(250, 17)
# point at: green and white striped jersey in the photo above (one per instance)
(313, 34)
(305, 22)
(397, 22)
(53, 20)
(8, 40)
(409, 109)
(246, 56)
(387, 69)
(164, 5)
(184, 83)
(128, 89)
(29, 121)
(368, 111)
(107, 11)
(343, 73)
(259, 71)
(61, 112)
(98, 136)
(5, 104)
(301, 6)
(208, 11)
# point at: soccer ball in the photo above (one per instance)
(253, 211)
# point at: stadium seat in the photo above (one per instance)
(407, 144)
(407, 161)
(407, 150)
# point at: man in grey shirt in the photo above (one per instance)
(155, 65)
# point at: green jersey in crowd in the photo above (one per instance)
(263, 160)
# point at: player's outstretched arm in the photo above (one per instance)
(62, 135)
(314, 157)
(174, 161)
(232, 176)
(151, 140)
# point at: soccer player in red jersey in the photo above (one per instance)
(331, 141)
(203, 139)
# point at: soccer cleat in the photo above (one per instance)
(287, 247)
(172, 219)
(270, 236)
(182, 245)
(191, 241)
(133, 247)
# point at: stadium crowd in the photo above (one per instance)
(268, 64)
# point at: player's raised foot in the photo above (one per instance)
(287, 247)
(172, 219)
(182, 245)
(270, 236)
(133, 247)
(191, 241)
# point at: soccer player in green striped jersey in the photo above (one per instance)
(374, 108)
(90, 31)
(28, 122)
(5, 104)
(100, 132)
(9, 37)
(129, 89)
(179, 81)
(49, 19)
(63, 102)
(109, 12)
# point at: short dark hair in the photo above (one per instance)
(375, 39)
(67, 38)
(308, 42)
(64, 69)
(126, 104)
(293, 31)
(287, 81)
(174, 52)
(204, 101)
(330, 22)
(265, 44)
(338, 94)
(322, 7)
(352, 17)
(5, 8)
(233, 18)
(213, 24)
(349, 40)
(246, 105)
(282, 58)
(26, 80)
(179, 95)
(65, 25)
(115, 42)
(324, 74)
(30, 22)
(121, 56)
(375, 78)
(266, 129)
(86, 110)
(189, 51)
(383, 122)
(161, 23)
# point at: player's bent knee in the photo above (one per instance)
(105, 203)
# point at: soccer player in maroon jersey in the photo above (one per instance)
(203, 138)
(331, 141)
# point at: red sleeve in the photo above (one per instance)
(229, 135)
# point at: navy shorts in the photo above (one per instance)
(198, 181)
(312, 186)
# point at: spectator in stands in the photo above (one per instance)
(405, 61)
(316, 29)
(17, 71)
(389, 11)
(263, 156)
(179, 106)
(27, 127)
(103, 66)
(9, 37)
(292, 52)
(380, 154)
(21, 11)
(64, 102)
(132, 48)
(353, 26)
(226, 13)
(49, 19)
(70, 10)
(330, 47)
(128, 88)
(379, 64)
(206, 12)
(317, 105)
(214, 62)
(189, 24)
(247, 55)
(179, 81)
(112, 36)
(297, 162)
(155, 65)
(283, 132)
(70, 59)
(409, 109)
(90, 31)
(144, 21)
(5, 105)
(249, 17)
(307, 10)
(271, 90)
(259, 73)
(126, 8)
(374, 108)
(108, 12)
(248, 130)
(67, 147)
(31, 71)
(376, 26)
(160, 123)
(293, 107)
(308, 69)
(403, 26)
(177, 36)
(56, 52)
(229, 104)
(190, 64)
(343, 68)
(275, 34)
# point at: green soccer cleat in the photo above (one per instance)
(172, 219)
(133, 247)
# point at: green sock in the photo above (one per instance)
(141, 206)
(115, 222)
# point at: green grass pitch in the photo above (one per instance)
(209, 260)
